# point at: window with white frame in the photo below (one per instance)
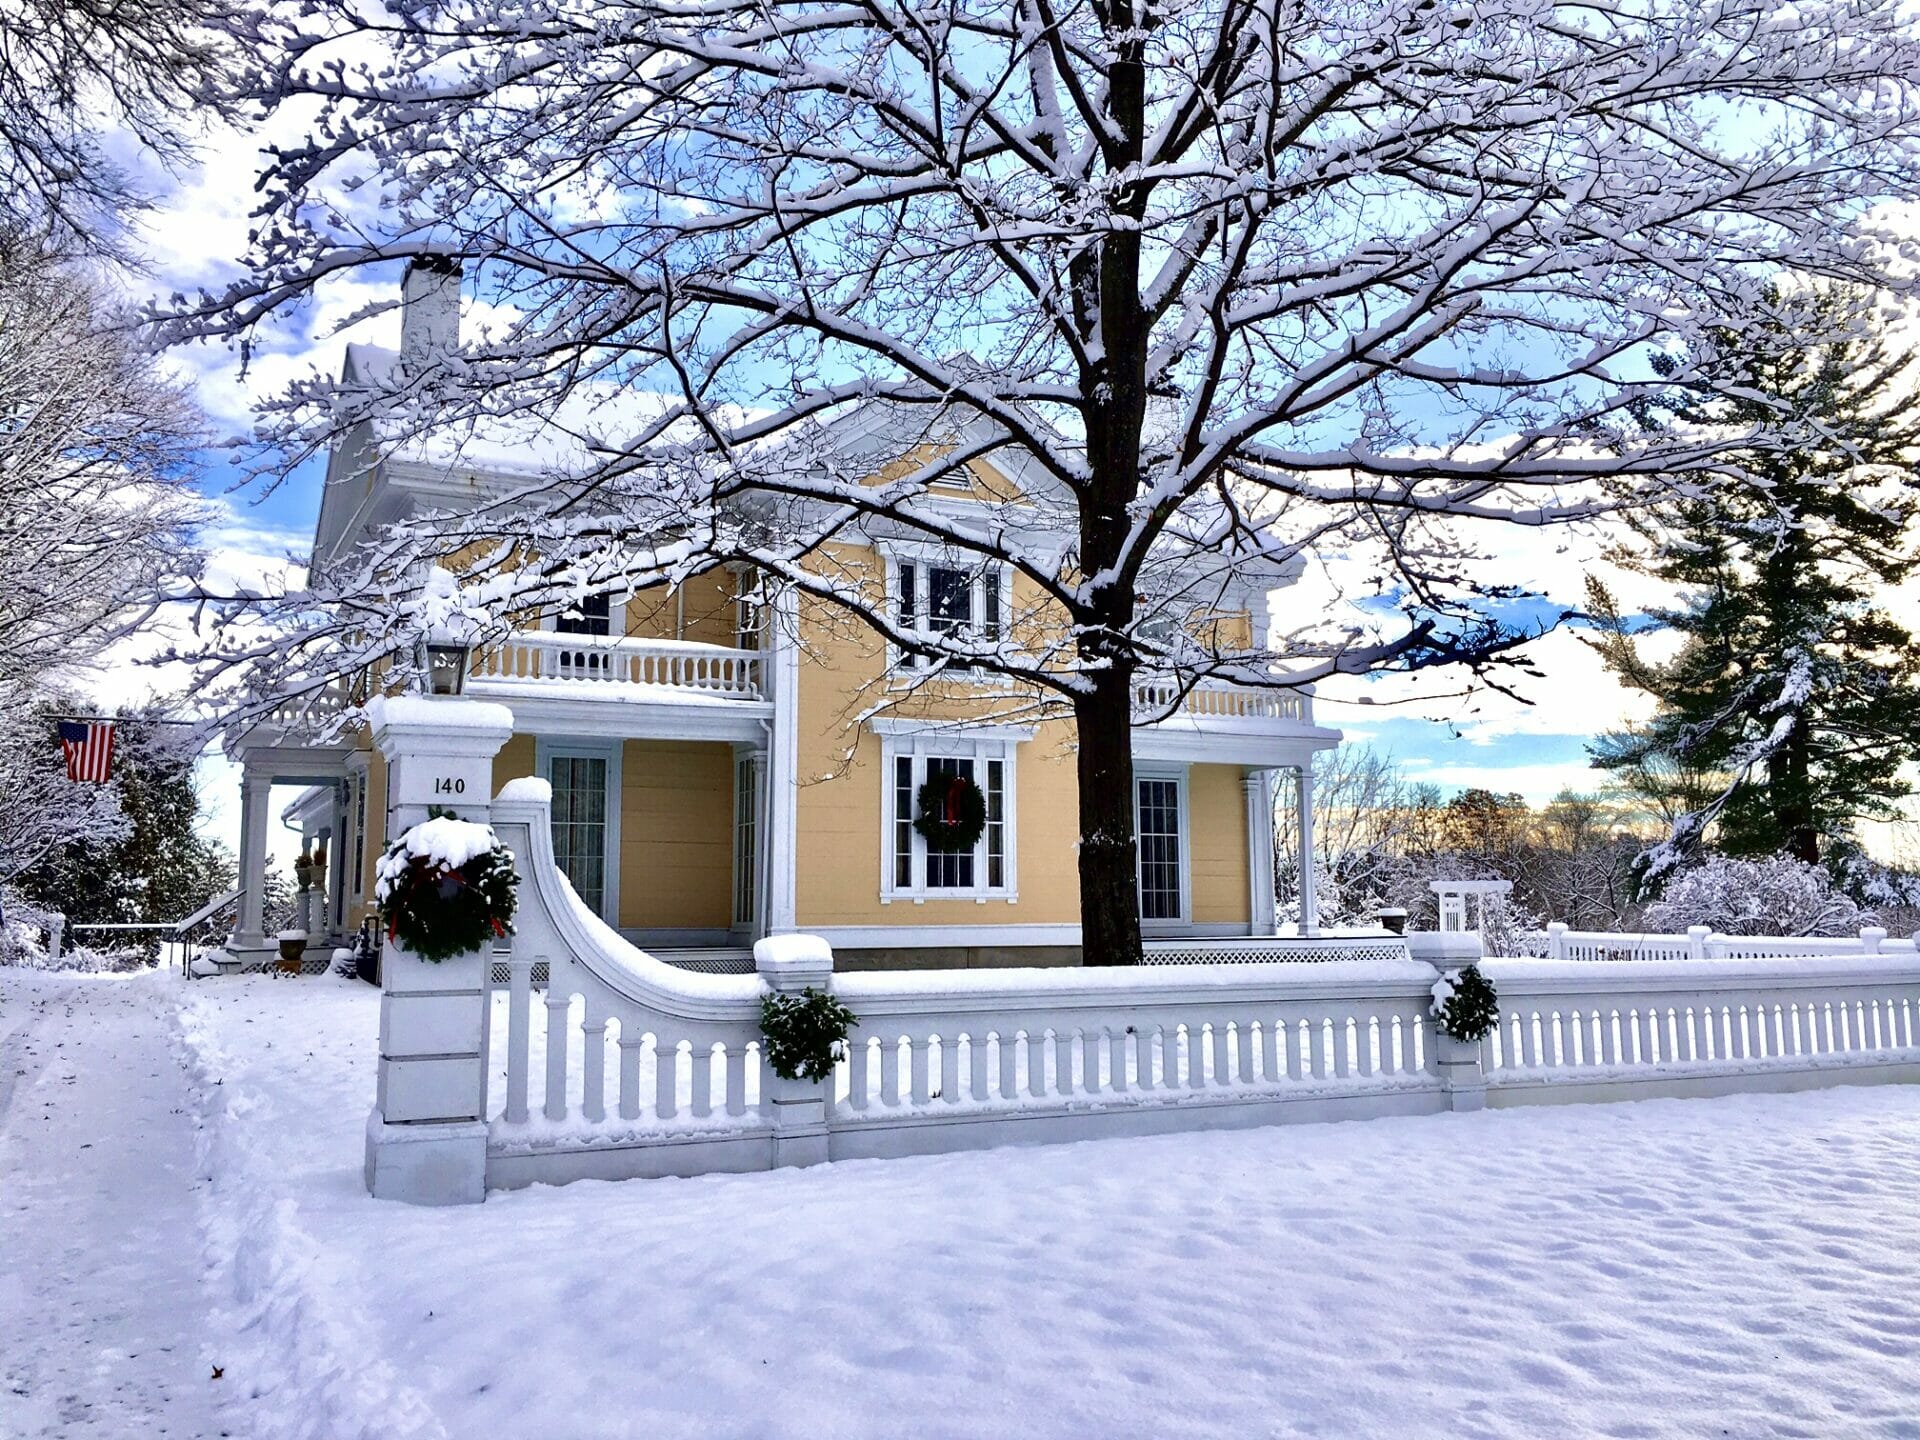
(1160, 813)
(586, 787)
(916, 869)
(942, 595)
(746, 838)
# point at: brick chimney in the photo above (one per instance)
(429, 310)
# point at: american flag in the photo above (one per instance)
(88, 746)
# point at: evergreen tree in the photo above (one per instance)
(1785, 716)
(156, 867)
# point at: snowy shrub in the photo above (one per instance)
(805, 1033)
(1465, 1004)
(1774, 896)
(24, 942)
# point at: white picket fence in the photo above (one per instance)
(1557, 942)
(626, 1066)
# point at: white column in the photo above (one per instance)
(1303, 820)
(249, 926)
(1258, 787)
(783, 763)
(427, 1134)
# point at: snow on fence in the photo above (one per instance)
(1557, 942)
(1590, 1030)
(626, 1066)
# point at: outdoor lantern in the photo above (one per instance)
(446, 667)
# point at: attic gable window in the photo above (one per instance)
(943, 597)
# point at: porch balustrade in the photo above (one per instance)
(1217, 700)
(707, 670)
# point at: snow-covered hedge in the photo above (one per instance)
(1775, 896)
(23, 942)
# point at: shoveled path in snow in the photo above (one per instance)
(103, 1311)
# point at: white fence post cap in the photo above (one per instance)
(1445, 949)
(792, 962)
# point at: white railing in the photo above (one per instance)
(628, 1066)
(1558, 942)
(681, 665)
(1217, 700)
(1602, 1023)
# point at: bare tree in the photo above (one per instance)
(97, 450)
(1222, 283)
(70, 67)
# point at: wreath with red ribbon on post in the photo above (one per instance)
(953, 813)
(446, 887)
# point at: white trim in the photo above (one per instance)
(922, 554)
(619, 715)
(546, 749)
(1012, 734)
(1221, 742)
(979, 744)
(1179, 776)
(916, 937)
(783, 762)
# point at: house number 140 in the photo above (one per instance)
(448, 785)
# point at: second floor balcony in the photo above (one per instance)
(626, 686)
(688, 668)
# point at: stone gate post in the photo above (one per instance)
(427, 1135)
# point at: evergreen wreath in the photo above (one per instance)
(1466, 1004)
(805, 1033)
(438, 910)
(953, 813)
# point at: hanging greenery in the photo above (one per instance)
(1466, 1004)
(805, 1033)
(953, 813)
(446, 887)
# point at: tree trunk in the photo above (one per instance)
(1109, 899)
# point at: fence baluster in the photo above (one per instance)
(555, 1107)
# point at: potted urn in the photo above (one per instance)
(293, 945)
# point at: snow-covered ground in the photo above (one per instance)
(1748, 1267)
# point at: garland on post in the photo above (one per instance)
(446, 887)
(1466, 1004)
(953, 813)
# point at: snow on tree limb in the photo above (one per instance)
(1227, 282)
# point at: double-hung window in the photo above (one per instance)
(925, 768)
(944, 596)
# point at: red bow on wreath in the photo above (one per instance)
(950, 806)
